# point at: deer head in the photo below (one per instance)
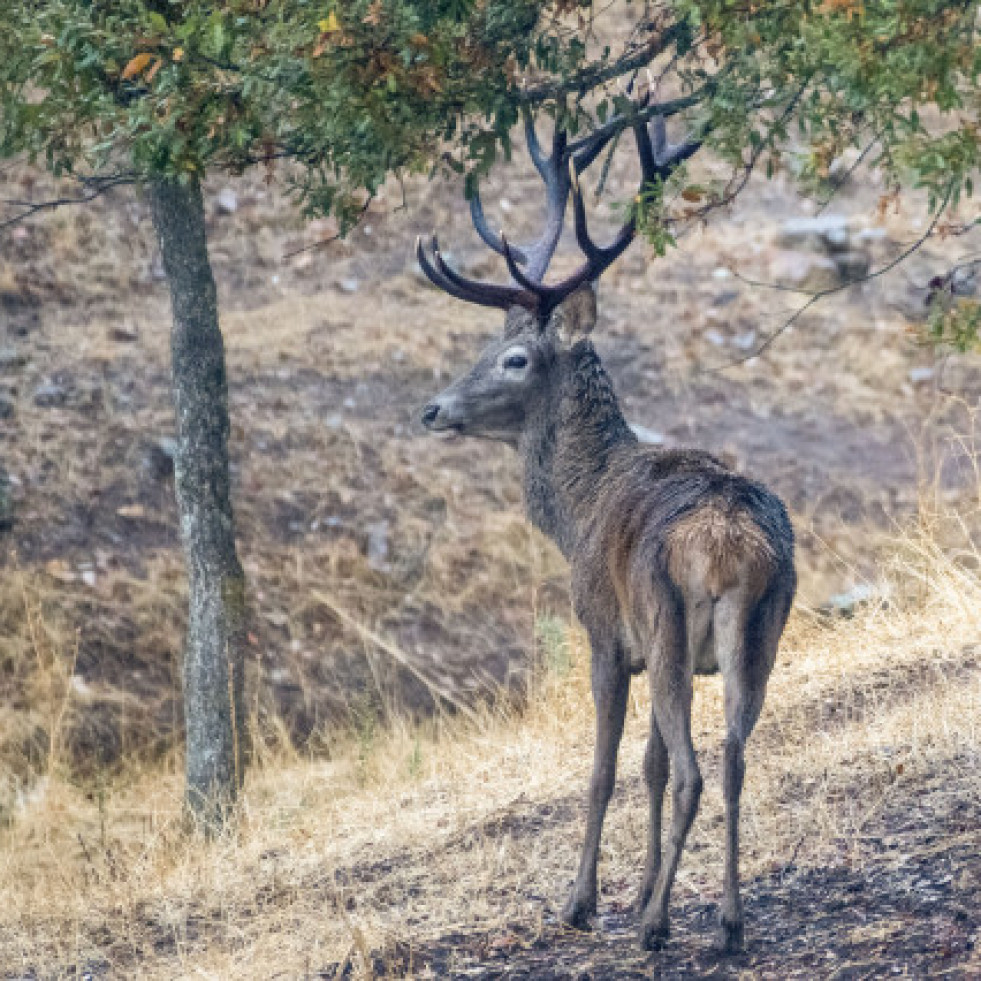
(515, 374)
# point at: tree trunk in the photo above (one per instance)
(214, 651)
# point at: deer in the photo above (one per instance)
(679, 564)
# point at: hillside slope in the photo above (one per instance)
(445, 850)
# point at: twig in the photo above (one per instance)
(821, 294)
(330, 238)
(593, 77)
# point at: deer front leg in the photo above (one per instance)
(611, 683)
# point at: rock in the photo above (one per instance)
(646, 435)
(805, 271)
(124, 333)
(349, 285)
(158, 458)
(920, 375)
(378, 546)
(724, 298)
(6, 502)
(50, 395)
(829, 233)
(6, 408)
(226, 201)
(846, 256)
(845, 604)
(19, 311)
(11, 359)
(852, 265)
(714, 338)
(745, 341)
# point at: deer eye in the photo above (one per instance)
(515, 361)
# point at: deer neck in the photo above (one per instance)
(568, 448)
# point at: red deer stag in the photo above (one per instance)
(679, 565)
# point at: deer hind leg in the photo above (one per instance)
(747, 635)
(701, 654)
(671, 694)
(656, 771)
(611, 685)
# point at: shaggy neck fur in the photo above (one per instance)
(567, 448)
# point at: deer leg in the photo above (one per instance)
(671, 694)
(747, 645)
(611, 683)
(656, 769)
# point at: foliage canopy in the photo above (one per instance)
(356, 91)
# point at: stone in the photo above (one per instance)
(124, 333)
(378, 545)
(6, 502)
(11, 359)
(6, 408)
(803, 270)
(845, 604)
(829, 233)
(158, 458)
(226, 201)
(50, 395)
(852, 265)
(349, 285)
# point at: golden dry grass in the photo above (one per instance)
(409, 832)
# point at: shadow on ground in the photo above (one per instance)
(899, 900)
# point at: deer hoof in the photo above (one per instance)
(577, 911)
(653, 936)
(731, 935)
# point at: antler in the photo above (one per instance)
(555, 176)
(560, 173)
(657, 160)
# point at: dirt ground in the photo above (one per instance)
(900, 900)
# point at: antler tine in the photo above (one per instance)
(536, 256)
(538, 157)
(658, 136)
(484, 294)
(519, 276)
(491, 240)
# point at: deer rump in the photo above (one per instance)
(680, 532)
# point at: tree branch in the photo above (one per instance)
(590, 78)
(92, 187)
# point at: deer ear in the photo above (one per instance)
(575, 317)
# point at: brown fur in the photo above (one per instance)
(718, 549)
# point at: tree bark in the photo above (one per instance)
(214, 651)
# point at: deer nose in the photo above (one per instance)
(430, 413)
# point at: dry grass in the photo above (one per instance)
(410, 832)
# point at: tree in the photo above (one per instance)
(340, 96)
(160, 92)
